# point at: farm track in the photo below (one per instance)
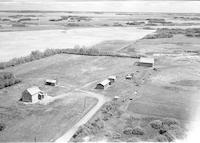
(101, 100)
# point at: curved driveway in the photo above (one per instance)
(101, 100)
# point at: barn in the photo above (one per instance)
(32, 94)
(112, 78)
(51, 82)
(147, 62)
(104, 84)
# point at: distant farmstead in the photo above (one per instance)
(147, 62)
(51, 82)
(104, 84)
(32, 95)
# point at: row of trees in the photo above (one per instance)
(36, 55)
(7, 79)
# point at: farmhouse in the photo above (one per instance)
(51, 82)
(32, 94)
(112, 78)
(147, 62)
(104, 84)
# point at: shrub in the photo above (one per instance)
(89, 128)
(128, 131)
(156, 124)
(7, 79)
(161, 138)
(138, 131)
(2, 126)
(171, 121)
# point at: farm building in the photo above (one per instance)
(116, 97)
(32, 94)
(104, 84)
(112, 78)
(51, 82)
(129, 76)
(147, 62)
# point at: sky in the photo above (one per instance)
(103, 5)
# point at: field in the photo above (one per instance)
(169, 92)
(158, 104)
(72, 72)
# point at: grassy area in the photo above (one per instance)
(43, 123)
(72, 71)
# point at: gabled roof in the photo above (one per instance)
(33, 90)
(50, 81)
(146, 60)
(112, 77)
(105, 82)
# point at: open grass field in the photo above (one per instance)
(72, 72)
(170, 92)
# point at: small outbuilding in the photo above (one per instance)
(147, 62)
(116, 97)
(51, 82)
(112, 78)
(129, 76)
(32, 94)
(104, 84)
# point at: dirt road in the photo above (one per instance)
(101, 100)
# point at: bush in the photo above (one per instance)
(7, 79)
(138, 131)
(171, 121)
(2, 126)
(128, 131)
(156, 124)
(89, 128)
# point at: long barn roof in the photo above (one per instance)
(146, 60)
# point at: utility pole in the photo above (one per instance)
(84, 103)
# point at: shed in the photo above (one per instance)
(116, 97)
(51, 82)
(147, 62)
(32, 94)
(129, 76)
(104, 84)
(112, 78)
